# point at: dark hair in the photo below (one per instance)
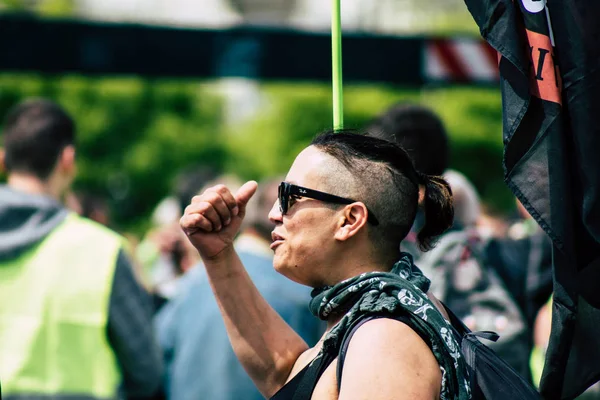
(35, 133)
(388, 184)
(438, 208)
(419, 131)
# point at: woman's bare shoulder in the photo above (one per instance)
(386, 357)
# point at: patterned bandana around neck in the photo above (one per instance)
(398, 292)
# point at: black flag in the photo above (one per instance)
(550, 79)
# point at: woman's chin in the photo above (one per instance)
(287, 271)
(278, 265)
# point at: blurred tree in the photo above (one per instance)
(135, 135)
(51, 8)
(269, 143)
(13, 5)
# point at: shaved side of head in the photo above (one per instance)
(387, 193)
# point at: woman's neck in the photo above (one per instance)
(358, 268)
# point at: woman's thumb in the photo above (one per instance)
(244, 194)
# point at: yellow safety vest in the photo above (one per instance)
(54, 302)
(538, 355)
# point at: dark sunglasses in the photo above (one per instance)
(288, 191)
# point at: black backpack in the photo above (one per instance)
(491, 378)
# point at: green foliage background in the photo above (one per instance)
(136, 134)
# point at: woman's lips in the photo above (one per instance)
(277, 240)
(275, 244)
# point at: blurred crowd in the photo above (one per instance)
(88, 313)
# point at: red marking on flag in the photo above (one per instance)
(545, 77)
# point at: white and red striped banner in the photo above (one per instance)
(460, 60)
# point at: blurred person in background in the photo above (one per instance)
(467, 205)
(165, 254)
(462, 276)
(89, 205)
(419, 131)
(74, 322)
(470, 212)
(94, 206)
(492, 224)
(199, 359)
(523, 258)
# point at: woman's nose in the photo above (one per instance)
(275, 213)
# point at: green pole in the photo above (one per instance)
(336, 65)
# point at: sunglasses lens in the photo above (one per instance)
(283, 198)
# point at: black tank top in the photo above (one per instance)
(302, 385)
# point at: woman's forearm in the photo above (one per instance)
(264, 343)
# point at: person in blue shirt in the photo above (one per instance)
(200, 363)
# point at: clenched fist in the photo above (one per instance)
(213, 219)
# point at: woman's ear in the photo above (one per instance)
(354, 218)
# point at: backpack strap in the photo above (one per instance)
(346, 343)
(463, 330)
(488, 335)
